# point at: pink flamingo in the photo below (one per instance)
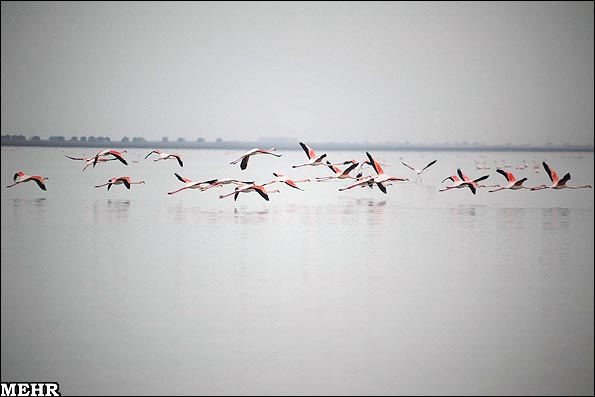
(513, 184)
(90, 160)
(109, 152)
(362, 181)
(189, 184)
(382, 179)
(314, 159)
(125, 180)
(166, 156)
(226, 181)
(338, 173)
(462, 181)
(21, 177)
(556, 182)
(246, 156)
(288, 181)
(250, 188)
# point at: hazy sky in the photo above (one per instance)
(417, 72)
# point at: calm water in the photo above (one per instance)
(314, 292)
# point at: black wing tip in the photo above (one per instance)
(381, 187)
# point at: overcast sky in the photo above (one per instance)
(401, 72)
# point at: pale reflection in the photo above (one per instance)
(464, 216)
(555, 219)
(243, 216)
(34, 208)
(512, 218)
(555, 251)
(111, 210)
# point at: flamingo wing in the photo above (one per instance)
(429, 165)
(460, 173)
(350, 168)
(408, 166)
(375, 164)
(126, 181)
(177, 157)
(39, 182)
(150, 153)
(291, 183)
(564, 179)
(551, 173)
(472, 187)
(262, 193)
(502, 172)
(309, 152)
(182, 179)
(244, 162)
(381, 187)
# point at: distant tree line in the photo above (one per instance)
(90, 139)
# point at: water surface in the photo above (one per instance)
(314, 292)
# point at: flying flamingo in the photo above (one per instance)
(165, 156)
(314, 160)
(21, 177)
(338, 173)
(474, 182)
(513, 184)
(362, 181)
(189, 184)
(250, 188)
(226, 181)
(285, 179)
(382, 179)
(125, 180)
(556, 182)
(246, 156)
(462, 181)
(89, 160)
(419, 172)
(111, 152)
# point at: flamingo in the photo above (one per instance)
(165, 156)
(338, 173)
(382, 178)
(556, 182)
(314, 159)
(288, 181)
(89, 160)
(226, 181)
(189, 184)
(474, 182)
(21, 177)
(250, 188)
(462, 181)
(419, 172)
(125, 180)
(111, 152)
(362, 181)
(513, 184)
(246, 156)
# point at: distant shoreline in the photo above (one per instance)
(320, 146)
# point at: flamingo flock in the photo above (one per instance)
(342, 170)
